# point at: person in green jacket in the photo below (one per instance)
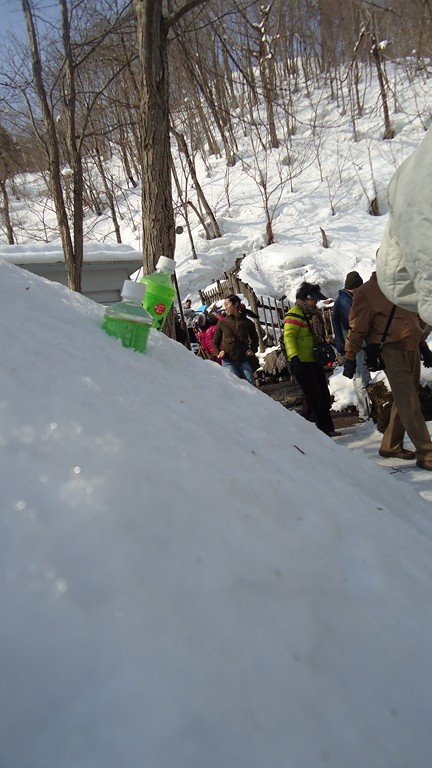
(303, 329)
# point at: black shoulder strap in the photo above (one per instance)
(387, 328)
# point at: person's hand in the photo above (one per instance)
(295, 365)
(221, 354)
(426, 356)
(340, 359)
(349, 368)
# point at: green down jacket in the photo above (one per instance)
(298, 339)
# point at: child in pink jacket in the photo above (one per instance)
(205, 335)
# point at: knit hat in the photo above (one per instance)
(353, 280)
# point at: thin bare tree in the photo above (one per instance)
(65, 120)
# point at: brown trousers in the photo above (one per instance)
(403, 372)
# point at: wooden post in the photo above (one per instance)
(285, 307)
(236, 284)
(265, 315)
(187, 342)
(272, 320)
(254, 307)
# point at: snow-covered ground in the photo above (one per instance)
(193, 576)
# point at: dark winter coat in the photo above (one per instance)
(341, 310)
(235, 335)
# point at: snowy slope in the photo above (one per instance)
(193, 576)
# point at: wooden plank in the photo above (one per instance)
(272, 322)
(265, 315)
(254, 307)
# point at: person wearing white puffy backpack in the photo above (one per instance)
(404, 258)
(404, 338)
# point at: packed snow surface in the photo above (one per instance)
(193, 576)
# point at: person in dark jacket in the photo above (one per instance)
(236, 339)
(341, 310)
(303, 328)
(401, 352)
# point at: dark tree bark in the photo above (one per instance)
(6, 213)
(108, 192)
(53, 152)
(74, 150)
(157, 203)
(376, 54)
(182, 145)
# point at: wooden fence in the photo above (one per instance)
(270, 312)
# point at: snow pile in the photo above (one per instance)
(51, 253)
(193, 576)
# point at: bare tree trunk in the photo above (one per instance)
(184, 205)
(125, 156)
(6, 213)
(108, 193)
(268, 94)
(267, 73)
(70, 99)
(375, 50)
(208, 133)
(200, 194)
(206, 88)
(157, 205)
(91, 196)
(52, 147)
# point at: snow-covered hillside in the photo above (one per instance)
(327, 178)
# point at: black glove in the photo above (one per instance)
(295, 365)
(426, 356)
(349, 368)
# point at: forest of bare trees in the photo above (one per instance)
(138, 80)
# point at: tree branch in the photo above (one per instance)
(180, 12)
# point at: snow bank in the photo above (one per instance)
(192, 575)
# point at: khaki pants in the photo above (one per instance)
(403, 372)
